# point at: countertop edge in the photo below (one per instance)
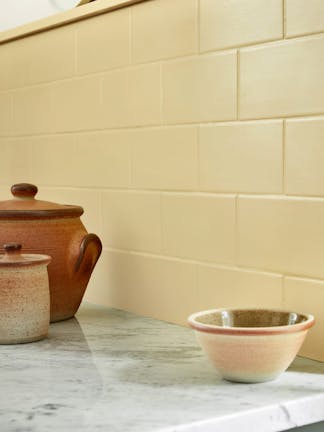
(279, 417)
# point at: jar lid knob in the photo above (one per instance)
(24, 190)
(12, 247)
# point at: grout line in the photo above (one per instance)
(130, 36)
(101, 96)
(76, 144)
(196, 291)
(286, 116)
(189, 192)
(236, 231)
(32, 160)
(11, 125)
(198, 153)
(101, 209)
(284, 180)
(76, 53)
(163, 232)
(283, 291)
(30, 174)
(238, 64)
(284, 19)
(131, 163)
(161, 97)
(229, 267)
(283, 197)
(198, 26)
(304, 35)
(169, 125)
(267, 42)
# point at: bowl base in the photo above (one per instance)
(22, 340)
(250, 379)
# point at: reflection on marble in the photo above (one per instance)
(112, 371)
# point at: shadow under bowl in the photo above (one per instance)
(250, 345)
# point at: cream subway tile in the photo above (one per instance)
(281, 234)
(6, 124)
(4, 191)
(238, 63)
(241, 157)
(51, 55)
(220, 287)
(53, 160)
(99, 289)
(20, 158)
(199, 89)
(4, 166)
(305, 156)
(165, 158)
(132, 97)
(119, 274)
(163, 29)
(103, 42)
(89, 199)
(304, 16)
(282, 79)
(179, 298)
(14, 63)
(132, 220)
(14, 162)
(32, 110)
(5, 66)
(226, 24)
(76, 104)
(152, 286)
(103, 159)
(46, 56)
(307, 296)
(200, 227)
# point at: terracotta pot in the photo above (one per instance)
(24, 296)
(55, 230)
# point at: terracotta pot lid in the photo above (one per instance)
(24, 205)
(14, 258)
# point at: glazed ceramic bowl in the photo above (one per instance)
(250, 345)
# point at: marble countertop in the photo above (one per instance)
(109, 370)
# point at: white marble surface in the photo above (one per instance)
(112, 371)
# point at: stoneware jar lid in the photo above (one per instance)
(24, 205)
(14, 258)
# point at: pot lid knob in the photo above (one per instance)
(12, 248)
(24, 190)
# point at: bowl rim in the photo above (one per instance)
(256, 331)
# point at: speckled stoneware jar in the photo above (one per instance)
(56, 230)
(250, 345)
(24, 296)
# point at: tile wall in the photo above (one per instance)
(192, 132)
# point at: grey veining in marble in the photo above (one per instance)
(108, 370)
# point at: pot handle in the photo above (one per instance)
(90, 250)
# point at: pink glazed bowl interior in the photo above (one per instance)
(250, 345)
